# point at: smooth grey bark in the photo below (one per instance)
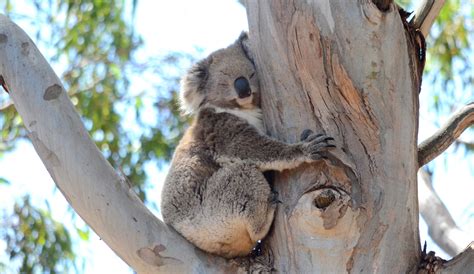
(426, 13)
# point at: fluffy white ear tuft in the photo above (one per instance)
(189, 97)
(192, 93)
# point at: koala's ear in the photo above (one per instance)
(243, 36)
(244, 43)
(192, 93)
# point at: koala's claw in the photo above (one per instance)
(319, 138)
(257, 249)
(315, 144)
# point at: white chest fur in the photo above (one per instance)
(252, 116)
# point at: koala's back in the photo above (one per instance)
(191, 166)
(210, 200)
(194, 162)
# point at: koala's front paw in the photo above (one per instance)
(315, 144)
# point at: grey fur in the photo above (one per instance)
(215, 194)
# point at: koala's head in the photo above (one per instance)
(225, 79)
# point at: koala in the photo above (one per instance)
(215, 194)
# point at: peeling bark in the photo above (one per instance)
(329, 66)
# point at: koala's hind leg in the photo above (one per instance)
(237, 210)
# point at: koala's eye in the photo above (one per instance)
(242, 87)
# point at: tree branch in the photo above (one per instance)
(89, 183)
(446, 135)
(441, 226)
(462, 263)
(426, 14)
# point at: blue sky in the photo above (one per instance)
(182, 26)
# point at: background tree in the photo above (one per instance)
(100, 99)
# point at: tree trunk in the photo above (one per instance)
(340, 67)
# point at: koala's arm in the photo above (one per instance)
(235, 139)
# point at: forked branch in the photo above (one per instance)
(462, 263)
(446, 135)
(426, 14)
(441, 226)
(93, 188)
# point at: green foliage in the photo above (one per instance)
(403, 3)
(95, 46)
(449, 53)
(84, 234)
(4, 181)
(36, 242)
(9, 131)
(449, 72)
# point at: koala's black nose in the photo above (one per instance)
(242, 87)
